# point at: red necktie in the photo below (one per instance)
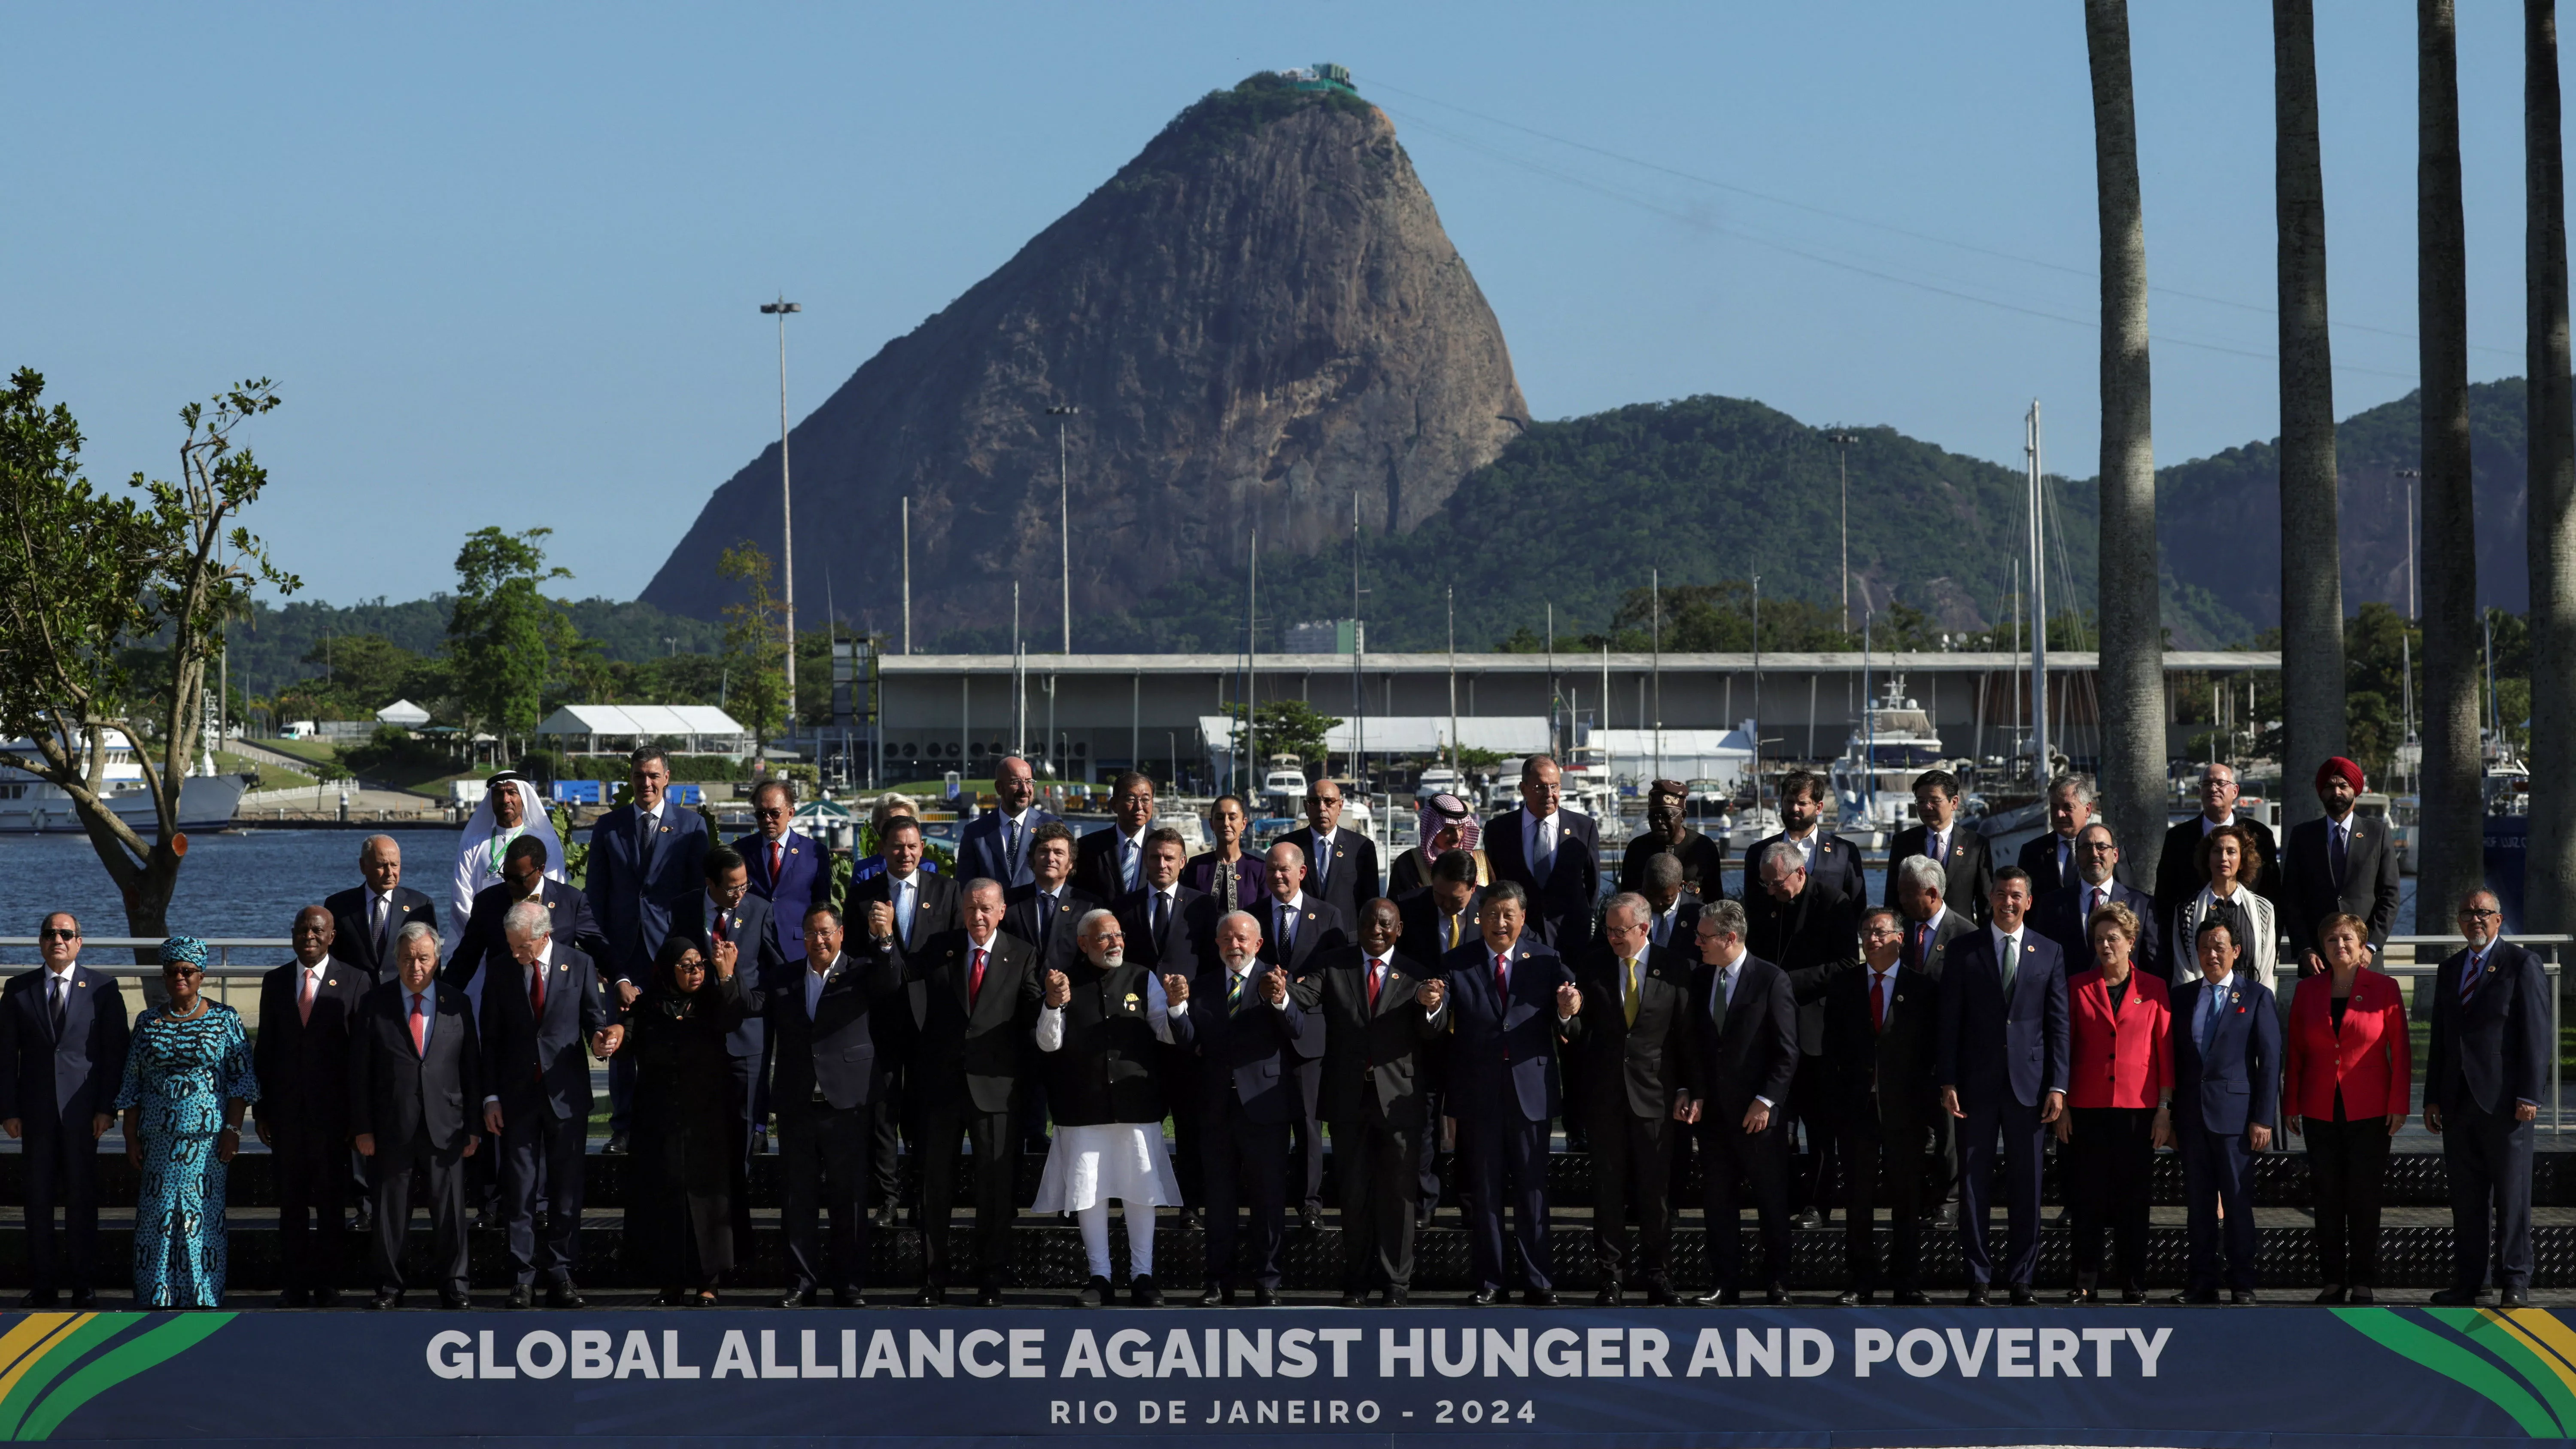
(1914, 946)
(2092, 902)
(975, 979)
(419, 1042)
(1877, 1001)
(537, 991)
(304, 1001)
(777, 861)
(720, 925)
(1377, 981)
(1502, 980)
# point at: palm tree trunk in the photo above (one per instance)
(2452, 865)
(2132, 780)
(2312, 668)
(2549, 880)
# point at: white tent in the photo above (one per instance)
(403, 712)
(1720, 755)
(700, 728)
(1411, 734)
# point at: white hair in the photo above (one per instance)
(529, 920)
(1781, 852)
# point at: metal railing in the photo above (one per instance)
(221, 971)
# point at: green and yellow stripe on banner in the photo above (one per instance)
(52, 1363)
(2522, 1360)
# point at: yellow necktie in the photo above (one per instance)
(1453, 933)
(1628, 1000)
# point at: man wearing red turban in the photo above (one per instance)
(2344, 862)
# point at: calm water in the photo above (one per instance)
(233, 884)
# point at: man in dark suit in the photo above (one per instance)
(828, 1067)
(1437, 919)
(1170, 929)
(2484, 1078)
(2178, 872)
(1881, 1022)
(364, 918)
(1511, 1001)
(63, 1035)
(982, 989)
(2345, 861)
(415, 1094)
(2049, 857)
(1047, 912)
(727, 913)
(1806, 932)
(2226, 1100)
(301, 1056)
(1552, 854)
(1297, 928)
(2001, 1060)
(900, 910)
(1380, 1015)
(1930, 927)
(1668, 832)
(2065, 915)
(1637, 1070)
(644, 863)
(1108, 864)
(1960, 851)
(1672, 912)
(1341, 865)
(523, 878)
(536, 1104)
(995, 845)
(1239, 1019)
(1831, 861)
(1744, 1031)
(786, 869)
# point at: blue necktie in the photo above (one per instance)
(2209, 1018)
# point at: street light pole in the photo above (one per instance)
(1064, 514)
(782, 309)
(1843, 441)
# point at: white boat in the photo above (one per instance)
(1757, 823)
(1285, 783)
(32, 805)
(1438, 780)
(1873, 780)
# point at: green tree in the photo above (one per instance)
(506, 639)
(86, 576)
(1290, 727)
(755, 648)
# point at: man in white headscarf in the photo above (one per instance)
(511, 808)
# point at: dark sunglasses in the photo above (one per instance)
(57, 933)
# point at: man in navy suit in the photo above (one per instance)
(1047, 912)
(1341, 865)
(536, 1104)
(995, 845)
(726, 913)
(415, 1077)
(2001, 1061)
(644, 859)
(786, 868)
(1832, 862)
(2066, 914)
(2049, 859)
(1513, 1000)
(1961, 852)
(1672, 913)
(1552, 854)
(1436, 920)
(63, 1034)
(901, 910)
(2483, 1081)
(828, 1068)
(523, 878)
(1109, 863)
(1297, 929)
(1744, 1034)
(365, 918)
(306, 1008)
(2226, 1099)
(1240, 1021)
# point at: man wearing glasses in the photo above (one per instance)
(63, 1032)
(2483, 1081)
(1341, 865)
(786, 869)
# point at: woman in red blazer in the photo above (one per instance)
(2349, 1077)
(2120, 1072)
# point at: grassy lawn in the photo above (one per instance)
(271, 777)
(318, 751)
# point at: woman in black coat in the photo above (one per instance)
(685, 1134)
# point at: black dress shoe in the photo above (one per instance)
(1142, 1292)
(1395, 1297)
(454, 1301)
(883, 1216)
(2021, 1295)
(2082, 1297)
(1853, 1297)
(2360, 1293)
(2513, 1298)
(561, 1294)
(2455, 1298)
(1485, 1297)
(1264, 1297)
(1355, 1298)
(2242, 1295)
(2133, 1296)
(1808, 1219)
(2197, 1297)
(927, 1297)
(796, 1298)
(38, 1298)
(84, 1298)
(1215, 1295)
(2333, 1293)
(1979, 1295)
(293, 1298)
(988, 1297)
(1539, 1298)
(616, 1146)
(1660, 1293)
(385, 1300)
(1094, 1293)
(520, 1296)
(1777, 1296)
(1719, 1298)
(849, 1298)
(326, 1297)
(1608, 1297)
(1913, 1297)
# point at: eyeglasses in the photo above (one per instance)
(2478, 913)
(772, 813)
(57, 933)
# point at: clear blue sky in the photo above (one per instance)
(504, 260)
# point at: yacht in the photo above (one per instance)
(1753, 824)
(1873, 780)
(1439, 780)
(31, 805)
(1284, 783)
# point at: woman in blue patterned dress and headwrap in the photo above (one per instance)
(187, 1080)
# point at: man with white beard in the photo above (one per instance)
(1100, 1027)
